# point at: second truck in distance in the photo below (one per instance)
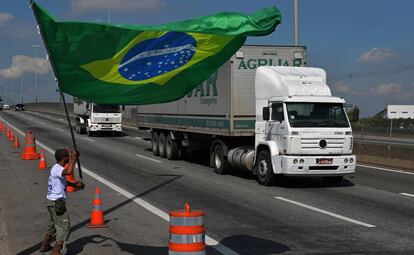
(94, 118)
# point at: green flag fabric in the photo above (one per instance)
(125, 64)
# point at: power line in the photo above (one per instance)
(377, 72)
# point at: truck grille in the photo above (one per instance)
(314, 143)
(107, 119)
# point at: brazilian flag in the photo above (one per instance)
(125, 64)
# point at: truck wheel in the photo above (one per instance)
(82, 128)
(89, 132)
(77, 127)
(154, 143)
(221, 166)
(264, 169)
(162, 145)
(333, 179)
(171, 148)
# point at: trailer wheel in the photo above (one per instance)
(162, 141)
(264, 169)
(77, 127)
(171, 148)
(82, 128)
(154, 143)
(221, 166)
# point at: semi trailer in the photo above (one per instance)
(262, 112)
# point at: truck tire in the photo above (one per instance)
(264, 169)
(220, 164)
(89, 132)
(171, 148)
(162, 142)
(77, 127)
(154, 143)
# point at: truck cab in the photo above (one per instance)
(92, 118)
(301, 129)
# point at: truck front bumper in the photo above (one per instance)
(307, 165)
(106, 127)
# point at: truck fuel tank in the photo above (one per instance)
(241, 158)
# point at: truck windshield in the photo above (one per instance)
(316, 115)
(101, 108)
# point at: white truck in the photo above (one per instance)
(92, 118)
(252, 115)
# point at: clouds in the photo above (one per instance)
(122, 6)
(342, 88)
(5, 18)
(24, 64)
(377, 55)
(387, 89)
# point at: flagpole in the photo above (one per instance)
(60, 90)
(71, 130)
(296, 22)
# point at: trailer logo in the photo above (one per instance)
(207, 91)
(154, 57)
(255, 63)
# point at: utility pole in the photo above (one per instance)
(296, 22)
(109, 11)
(35, 46)
(21, 78)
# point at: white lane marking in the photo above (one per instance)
(163, 215)
(139, 138)
(386, 169)
(328, 213)
(89, 139)
(33, 120)
(141, 156)
(407, 194)
(61, 130)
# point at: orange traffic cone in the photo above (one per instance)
(16, 142)
(71, 178)
(97, 216)
(42, 162)
(12, 135)
(8, 132)
(30, 147)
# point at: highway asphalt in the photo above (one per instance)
(371, 212)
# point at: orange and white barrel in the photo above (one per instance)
(187, 232)
(29, 152)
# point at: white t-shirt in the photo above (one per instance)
(56, 186)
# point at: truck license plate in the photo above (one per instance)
(324, 161)
(107, 125)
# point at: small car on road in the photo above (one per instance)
(19, 107)
(6, 107)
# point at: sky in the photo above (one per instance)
(366, 46)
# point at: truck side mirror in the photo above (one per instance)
(355, 114)
(266, 113)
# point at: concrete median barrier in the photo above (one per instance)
(385, 155)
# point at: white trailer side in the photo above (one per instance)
(224, 104)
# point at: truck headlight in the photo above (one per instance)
(301, 161)
(345, 160)
(351, 160)
(295, 161)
